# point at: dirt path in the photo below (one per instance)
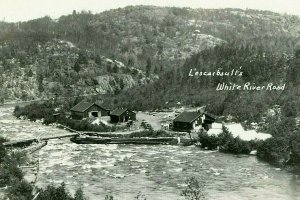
(152, 120)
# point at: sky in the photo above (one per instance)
(23, 10)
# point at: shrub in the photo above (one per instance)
(59, 193)
(9, 171)
(226, 143)
(150, 133)
(53, 193)
(274, 150)
(17, 111)
(79, 195)
(236, 146)
(229, 144)
(295, 149)
(284, 147)
(209, 142)
(279, 126)
(140, 196)
(194, 190)
(2, 149)
(289, 109)
(281, 151)
(83, 125)
(35, 111)
(20, 190)
(109, 197)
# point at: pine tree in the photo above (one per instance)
(79, 195)
(130, 62)
(77, 66)
(148, 67)
(108, 67)
(98, 60)
(156, 69)
(30, 73)
(40, 82)
(82, 58)
(293, 74)
(115, 68)
(161, 68)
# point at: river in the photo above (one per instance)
(158, 172)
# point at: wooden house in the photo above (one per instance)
(86, 109)
(188, 121)
(122, 115)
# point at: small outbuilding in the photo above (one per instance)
(122, 115)
(86, 109)
(207, 120)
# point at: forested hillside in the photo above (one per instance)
(84, 53)
(59, 68)
(136, 33)
(176, 87)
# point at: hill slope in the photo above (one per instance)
(59, 68)
(86, 53)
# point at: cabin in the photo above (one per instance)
(86, 109)
(188, 121)
(122, 115)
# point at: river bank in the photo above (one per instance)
(160, 171)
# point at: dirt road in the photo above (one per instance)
(152, 120)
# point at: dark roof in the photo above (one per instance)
(188, 117)
(83, 106)
(119, 111)
(99, 104)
